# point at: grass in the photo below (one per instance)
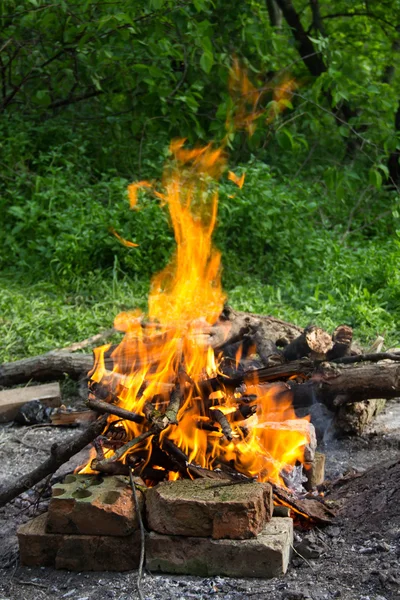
(43, 316)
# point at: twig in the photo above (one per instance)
(375, 357)
(39, 585)
(220, 418)
(174, 405)
(142, 536)
(301, 556)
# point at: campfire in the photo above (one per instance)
(181, 402)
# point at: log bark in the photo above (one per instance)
(59, 454)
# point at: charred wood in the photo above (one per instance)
(342, 339)
(313, 342)
(220, 418)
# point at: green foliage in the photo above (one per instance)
(91, 93)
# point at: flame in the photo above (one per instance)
(168, 355)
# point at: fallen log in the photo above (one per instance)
(352, 383)
(59, 454)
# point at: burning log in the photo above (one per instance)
(59, 454)
(307, 508)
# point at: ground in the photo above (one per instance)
(356, 558)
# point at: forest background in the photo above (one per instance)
(91, 92)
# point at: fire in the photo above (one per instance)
(160, 369)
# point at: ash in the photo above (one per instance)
(356, 558)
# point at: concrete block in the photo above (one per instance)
(209, 508)
(92, 505)
(76, 552)
(265, 556)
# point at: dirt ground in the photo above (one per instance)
(356, 558)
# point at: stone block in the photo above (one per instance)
(76, 552)
(209, 508)
(92, 505)
(265, 556)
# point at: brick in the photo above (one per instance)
(204, 508)
(265, 556)
(76, 552)
(91, 505)
(11, 401)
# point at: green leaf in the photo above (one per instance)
(375, 178)
(285, 139)
(207, 61)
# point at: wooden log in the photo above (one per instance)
(59, 454)
(90, 341)
(265, 347)
(46, 367)
(352, 383)
(313, 342)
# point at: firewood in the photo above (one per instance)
(342, 338)
(313, 342)
(59, 454)
(45, 367)
(111, 409)
(220, 418)
(68, 418)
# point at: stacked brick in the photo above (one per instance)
(202, 527)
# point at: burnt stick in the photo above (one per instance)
(106, 407)
(218, 416)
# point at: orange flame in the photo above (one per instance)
(171, 353)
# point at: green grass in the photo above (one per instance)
(314, 249)
(42, 316)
